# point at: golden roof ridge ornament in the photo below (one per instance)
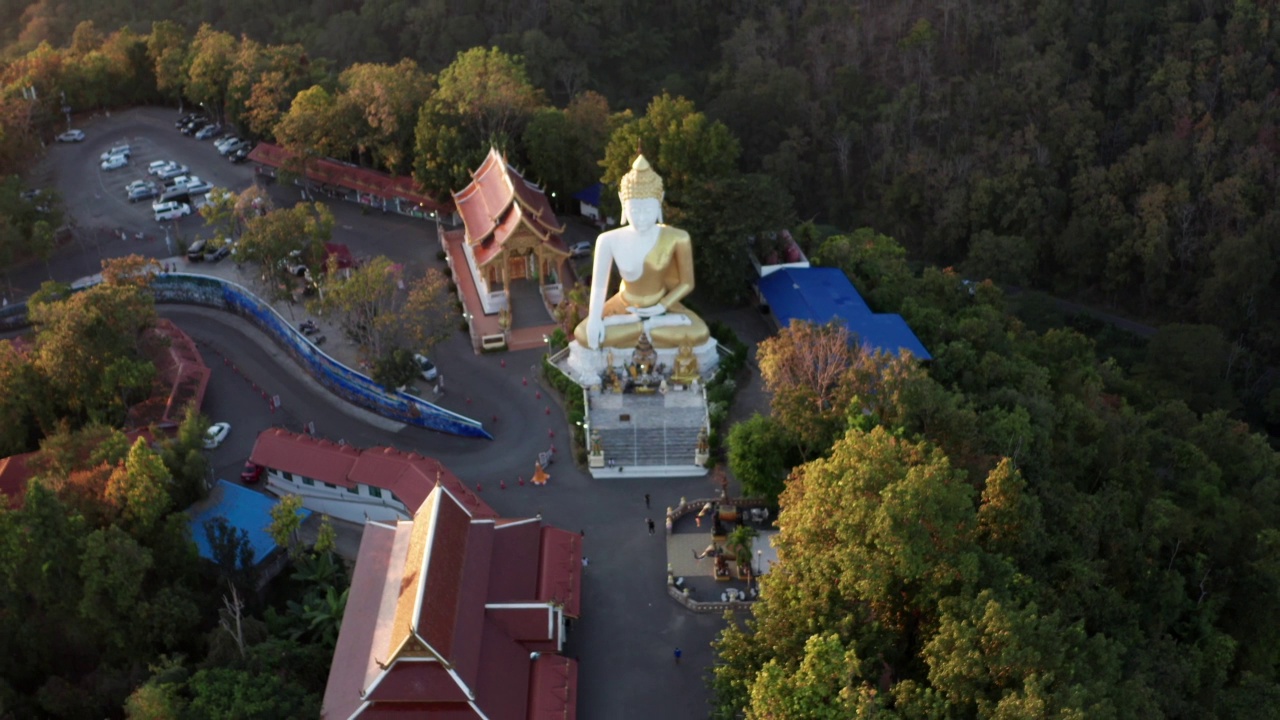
(642, 182)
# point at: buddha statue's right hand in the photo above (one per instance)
(595, 332)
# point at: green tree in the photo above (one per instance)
(169, 49)
(225, 692)
(761, 455)
(286, 519)
(876, 265)
(311, 129)
(564, 147)
(139, 489)
(725, 215)
(278, 238)
(820, 688)
(384, 102)
(209, 75)
(114, 571)
(483, 99)
(489, 91)
(684, 146)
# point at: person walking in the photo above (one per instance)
(678, 653)
(650, 522)
(646, 501)
(585, 562)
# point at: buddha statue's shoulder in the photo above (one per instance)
(674, 233)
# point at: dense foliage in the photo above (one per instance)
(1122, 153)
(1023, 531)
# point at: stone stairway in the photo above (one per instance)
(649, 431)
(639, 446)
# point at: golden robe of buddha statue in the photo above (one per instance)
(656, 265)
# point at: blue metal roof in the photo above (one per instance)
(822, 294)
(245, 510)
(590, 195)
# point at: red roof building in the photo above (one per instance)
(343, 481)
(370, 187)
(452, 615)
(510, 231)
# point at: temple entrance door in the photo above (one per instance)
(517, 267)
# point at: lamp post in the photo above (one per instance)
(759, 560)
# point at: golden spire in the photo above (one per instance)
(641, 182)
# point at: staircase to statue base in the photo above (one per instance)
(648, 435)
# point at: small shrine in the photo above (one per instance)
(511, 236)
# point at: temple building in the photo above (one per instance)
(377, 483)
(458, 614)
(510, 235)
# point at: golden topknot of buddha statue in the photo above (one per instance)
(641, 182)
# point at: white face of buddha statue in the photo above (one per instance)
(642, 213)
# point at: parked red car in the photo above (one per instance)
(251, 474)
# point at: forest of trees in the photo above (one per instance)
(1021, 530)
(1032, 526)
(1123, 154)
(106, 610)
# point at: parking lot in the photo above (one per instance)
(96, 200)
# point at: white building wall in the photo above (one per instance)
(338, 502)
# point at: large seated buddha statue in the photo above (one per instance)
(656, 265)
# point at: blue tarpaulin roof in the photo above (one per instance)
(245, 510)
(590, 195)
(820, 295)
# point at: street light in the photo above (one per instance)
(759, 561)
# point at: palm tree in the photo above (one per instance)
(739, 543)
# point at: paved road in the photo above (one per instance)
(625, 639)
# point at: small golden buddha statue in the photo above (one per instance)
(684, 368)
(656, 265)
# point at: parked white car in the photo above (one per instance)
(174, 170)
(122, 149)
(581, 249)
(171, 210)
(428, 368)
(158, 166)
(71, 136)
(115, 161)
(223, 142)
(216, 434)
(233, 146)
(196, 186)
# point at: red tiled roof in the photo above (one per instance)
(354, 664)
(412, 477)
(179, 366)
(503, 688)
(416, 680)
(312, 457)
(553, 689)
(13, 477)
(525, 624)
(443, 582)
(472, 595)
(513, 574)
(409, 475)
(451, 578)
(560, 569)
(332, 172)
(500, 204)
(342, 253)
